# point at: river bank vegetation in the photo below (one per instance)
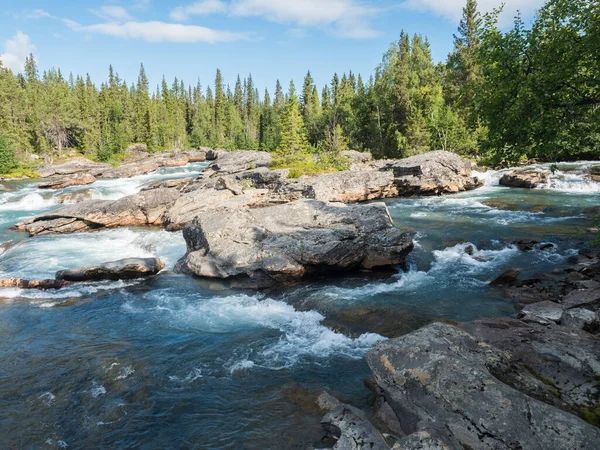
(531, 91)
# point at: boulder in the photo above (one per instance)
(507, 277)
(349, 186)
(78, 179)
(145, 208)
(263, 247)
(581, 297)
(431, 173)
(125, 269)
(582, 319)
(177, 160)
(132, 169)
(562, 360)
(178, 183)
(79, 165)
(356, 158)
(238, 161)
(524, 179)
(32, 284)
(352, 430)
(193, 204)
(214, 153)
(442, 376)
(75, 197)
(543, 313)
(194, 156)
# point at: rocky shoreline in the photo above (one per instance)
(531, 382)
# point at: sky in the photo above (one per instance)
(270, 39)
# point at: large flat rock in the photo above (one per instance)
(441, 375)
(288, 242)
(145, 208)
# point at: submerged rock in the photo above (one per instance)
(524, 179)
(78, 179)
(125, 269)
(263, 247)
(440, 374)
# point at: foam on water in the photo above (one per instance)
(570, 178)
(71, 251)
(301, 332)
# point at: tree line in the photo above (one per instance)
(501, 95)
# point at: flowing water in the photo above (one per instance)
(175, 362)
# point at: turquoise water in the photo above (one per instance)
(175, 362)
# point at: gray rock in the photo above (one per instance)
(508, 277)
(132, 169)
(579, 318)
(524, 179)
(543, 313)
(145, 208)
(564, 359)
(581, 297)
(237, 161)
(352, 429)
(263, 247)
(78, 179)
(357, 158)
(125, 269)
(442, 375)
(214, 153)
(76, 166)
(430, 173)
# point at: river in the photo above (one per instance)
(176, 362)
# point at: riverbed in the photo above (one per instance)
(176, 362)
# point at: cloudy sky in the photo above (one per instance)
(270, 39)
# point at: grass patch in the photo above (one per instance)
(309, 165)
(20, 173)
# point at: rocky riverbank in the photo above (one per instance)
(531, 382)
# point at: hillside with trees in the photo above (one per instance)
(529, 92)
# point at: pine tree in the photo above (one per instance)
(463, 69)
(293, 147)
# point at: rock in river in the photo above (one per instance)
(524, 179)
(125, 269)
(263, 247)
(78, 179)
(440, 376)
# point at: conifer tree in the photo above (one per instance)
(293, 147)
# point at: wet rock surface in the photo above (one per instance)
(125, 269)
(528, 179)
(262, 247)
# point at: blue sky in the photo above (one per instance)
(271, 39)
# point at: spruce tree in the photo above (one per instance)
(293, 147)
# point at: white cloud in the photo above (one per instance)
(112, 12)
(346, 18)
(39, 14)
(156, 31)
(452, 9)
(182, 13)
(15, 51)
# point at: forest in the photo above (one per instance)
(531, 91)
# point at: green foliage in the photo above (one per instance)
(501, 96)
(8, 159)
(21, 172)
(539, 94)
